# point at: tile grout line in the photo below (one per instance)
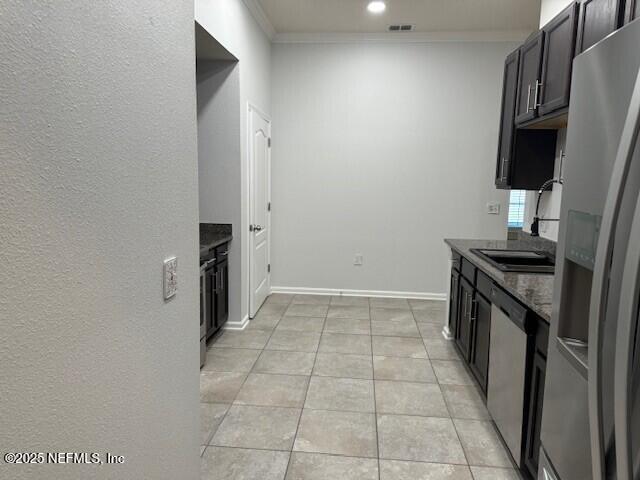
(304, 401)
(375, 401)
(341, 455)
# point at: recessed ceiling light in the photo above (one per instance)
(376, 7)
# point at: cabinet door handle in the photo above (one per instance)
(474, 311)
(528, 97)
(536, 95)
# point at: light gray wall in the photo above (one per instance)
(233, 26)
(99, 185)
(382, 149)
(219, 162)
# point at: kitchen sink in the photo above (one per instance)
(526, 261)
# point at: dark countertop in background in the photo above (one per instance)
(533, 290)
(213, 235)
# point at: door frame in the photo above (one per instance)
(251, 196)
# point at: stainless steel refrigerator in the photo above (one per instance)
(591, 414)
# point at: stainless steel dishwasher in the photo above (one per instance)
(507, 368)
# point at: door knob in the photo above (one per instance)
(255, 228)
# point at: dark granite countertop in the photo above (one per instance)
(533, 290)
(213, 235)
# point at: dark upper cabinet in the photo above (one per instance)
(481, 321)
(529, 78)
(632, 11)
(507, 118)
(532, 160)
(596, 20)
(557, 59)
(464, 328)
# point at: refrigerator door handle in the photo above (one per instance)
(625, 340)
(601, 273)
(628, 312)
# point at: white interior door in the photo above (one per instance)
(259, 215)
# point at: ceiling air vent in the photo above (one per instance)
(401, 28)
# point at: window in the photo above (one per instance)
(516, 209)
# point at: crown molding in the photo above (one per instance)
(405, 37)
(261, 18)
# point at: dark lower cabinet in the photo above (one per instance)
(596, 20)
(222, 293)
(534, 420)
(453, 302)
(470, 321)
(559, 47)
(632, 11)
(481, 321)
(210, 279)
(215, 285)
(464, 327)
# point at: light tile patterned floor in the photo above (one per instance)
(344, 388)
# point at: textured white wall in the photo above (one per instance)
(98, 186)
(219, 164)
(233, 26)
(382, 149)
(550, 202)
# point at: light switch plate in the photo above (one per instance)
(170, 277)
(493, 208)
(358, 259)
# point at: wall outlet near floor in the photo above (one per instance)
(493, 208)
(358, 260)
(170, 270)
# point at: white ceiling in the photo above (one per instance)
(429, 16)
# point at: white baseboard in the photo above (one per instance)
(361, 293)
(237, 325)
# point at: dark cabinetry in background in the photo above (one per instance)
(507, 118)
(222, 293)
(529, 78)
(535, 390)
(531, 162)
(471, 318)
(537, 85)
(632, 10)
(215, 286)
(470, 323)
(479, 361)
(464, 327)
(596, 20)
(557, 59)
(453, 301)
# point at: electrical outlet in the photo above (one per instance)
(170, 277)
(357, 260)
(493, 208)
